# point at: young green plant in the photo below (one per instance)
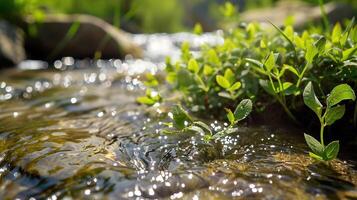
(182, 121)
(332, 113)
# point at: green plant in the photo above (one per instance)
(151, 97)
(183, 122)
(332, 112)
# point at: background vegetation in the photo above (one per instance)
(138, 15)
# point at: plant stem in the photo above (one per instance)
(302, 75)
(324, 15)
(355, 116)
(287, 111)
(322, 127)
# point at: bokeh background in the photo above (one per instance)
(146, 16)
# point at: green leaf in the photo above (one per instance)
(289, 68)
(243, 109)
(314, 145)
(196, 129)
(197, 29)
(346, 54)
(225, 95)
(145, 100)
(270, 62)
(203, 125)
(207, 70)
(336, 33)
(340, 93)
(311, 52)
(267, 86)
(333, 114)
(314, 156)
(311, 100)
(320, 45)
(254, 62)
(331, 150)
(230, 116)
(201, 84)
(193, 66)
(180, 116)
(229, 75)
(235, 86)
(212, 57)
(223, 82)
(285, 36)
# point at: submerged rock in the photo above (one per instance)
(11, 45)
(79, 36)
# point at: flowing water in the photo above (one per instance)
(75, 132)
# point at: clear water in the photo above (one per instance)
(75, 132)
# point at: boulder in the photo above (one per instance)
(303, 13)
(78, 36)
(11, 45)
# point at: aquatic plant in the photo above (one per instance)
(332, 112)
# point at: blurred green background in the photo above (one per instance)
(139, 15)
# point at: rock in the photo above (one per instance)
(11, 45)
(79, 36)
(302, 12)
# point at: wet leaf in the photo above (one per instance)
(243, 109)
(180, 116)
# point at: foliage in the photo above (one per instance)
(272, 67)
(255, 63)
(183, 122)
(332, 113)
(142, 15)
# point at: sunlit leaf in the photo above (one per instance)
(145, 100)
(311, 52)
(270, 62)
(229, 75)
(336, 33)
(235, 86)
(230, 116)
(223, 82)
(193, 66)
(243, 109)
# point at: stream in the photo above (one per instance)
(73, 130)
